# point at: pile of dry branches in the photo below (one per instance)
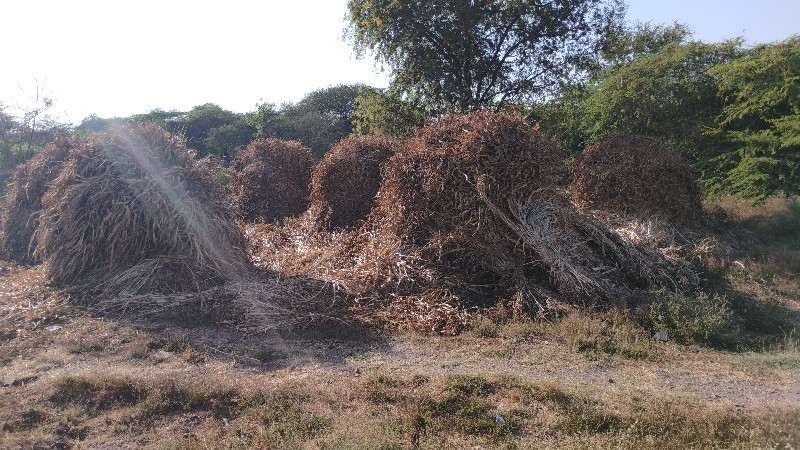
(345, 181)
(446, 191)
(270, 180)
(131, 196)
(470, 213)
(24, 199)
(637, 176)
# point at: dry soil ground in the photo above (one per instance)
(70, 378)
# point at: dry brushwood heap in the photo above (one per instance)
(131, 212)
(439, 191)
(270, 180)
(345, 181)
(470, 212)
(24, 199)
(635, 175)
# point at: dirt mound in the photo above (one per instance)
(131, 196)
(270, 180)
(24, 199)
(344, 183)
(636, 176)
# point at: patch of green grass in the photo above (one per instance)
(97, 393)
(776, 227)
(469, 385)
(464, 414)
(86, 346)
(614, 332)
(285, 422)
(669, 423)
(420, 412)
(266, 355)
(783, 225)
(25, 421)
(168, 397)
(382, 389)
(764, 323)
(582, 415)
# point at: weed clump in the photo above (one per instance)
(692, 319)
(97, 393)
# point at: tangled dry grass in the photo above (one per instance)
(345, 181)
(130, 196)
(271, 180)
(636, 175)
(24, 199)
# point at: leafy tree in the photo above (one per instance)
(158, 116)
(671, 94)
(322, 117)
(198, 123)
(95, 124)
(227, 140)
(561, 118)
(382, 112)
(625, 43)
(757, 151)
(459, 55)
(564, 117)
(8, 126)
(21, 137)
(267, 121)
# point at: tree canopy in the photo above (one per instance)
(198, 123)
(383, 112)
(670, 94)
(322, 117)
(459, 55)
(757, 135)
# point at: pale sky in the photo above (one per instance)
(117, 58)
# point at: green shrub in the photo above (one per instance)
(700, 319)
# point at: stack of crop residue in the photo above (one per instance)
(131, 213)
(471, 212)
(24, 199)
(345, 181)
(450, 226)
(270, 180)
(635, 175)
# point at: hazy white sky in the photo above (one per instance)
(116, 58)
